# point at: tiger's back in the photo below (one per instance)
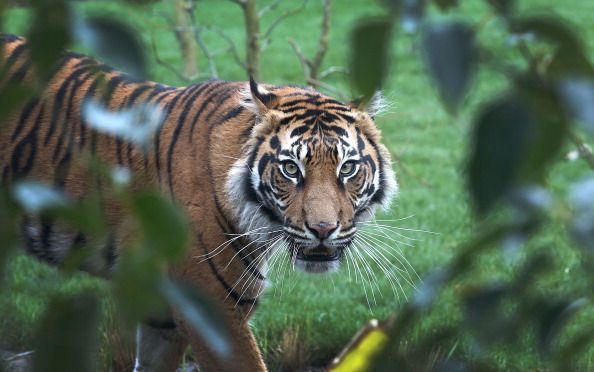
(47, 138)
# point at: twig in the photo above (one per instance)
(320, 84)
(198, 36)
(266, 35)
(305, 63)
(583, 149)
(323, 40)
(273, 5)
(232, 48)
(333, 70)
(168, 65)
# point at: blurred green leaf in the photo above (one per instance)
(135, 285)
(446, 4)
(485, 314)
(49, 35)
(164, 225)
(9, 227)
(578, 99)
(503, 7)
(68, 336)
(412, 14)
(549, 130)
(141, 2)
(115, 43)
(369, 55)
(553, 317)
(450, 57)
(549, 28)
(35, 197)
(569, 64)
(581, 197)
(499, 143)
(201, 313)
(12, 96)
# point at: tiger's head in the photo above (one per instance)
(311, 170)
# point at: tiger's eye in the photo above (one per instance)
(290, 168)
(347, 168)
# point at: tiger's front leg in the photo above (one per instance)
(246, 354)
(159, 347)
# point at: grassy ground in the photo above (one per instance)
(323, 312)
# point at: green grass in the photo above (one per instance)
(429, 148)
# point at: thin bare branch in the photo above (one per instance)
(584, 150)
(320, 84)
(305, 63)
(322, 41)
(333, 70)
(276, 22)
(198, 37)
(232, 48)
(273, 5)
(169, 66)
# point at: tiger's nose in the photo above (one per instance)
(322, 229)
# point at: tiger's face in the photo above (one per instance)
(312, 170)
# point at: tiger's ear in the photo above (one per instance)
(259, 100)
(374, 106)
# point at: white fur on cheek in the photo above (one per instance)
(248, 213)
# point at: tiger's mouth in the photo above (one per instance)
(320, 253)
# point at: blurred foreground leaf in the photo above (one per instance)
(35, 197)
(578, 99)
(201, 314)
(135, 285)
(413, 12)
(164, 225)
(115, 43)
(486, 316)
(503, 7)
(553, 317)
(582, 202)
(12, 96)
(136, 124)
(49, 35)
(548, 28)
(450, 57)
(446, 4)
(501, 134)
(369, 57)
(9, 227)
(68, 337)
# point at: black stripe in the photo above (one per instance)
(198, 89)
(28, 143)
(157, 140)
(230, 291)
(239, 248)
(233, 113)
(16, 53)
(205, 101)
(24, 117)
(58, 98)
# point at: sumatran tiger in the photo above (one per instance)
(282, 162)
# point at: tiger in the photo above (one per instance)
(241, 158)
